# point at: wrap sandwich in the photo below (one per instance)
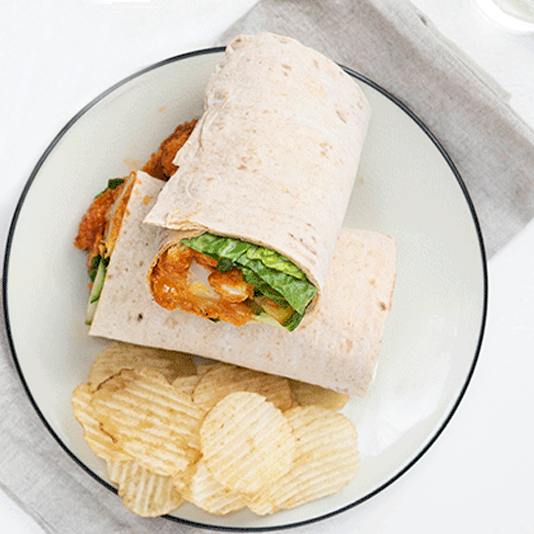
(262, 187)
(336, 349)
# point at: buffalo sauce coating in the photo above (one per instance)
(93, 224)
(118, 217)
(224, 300)
(161, 163)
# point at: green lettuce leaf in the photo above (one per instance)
(293, 321)
(298, 293)
(218, 247)
(273, 260)
(113, 183)
(271, 274)
(263, 288)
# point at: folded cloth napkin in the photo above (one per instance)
(394, 45)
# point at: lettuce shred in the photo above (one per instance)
(272, 274)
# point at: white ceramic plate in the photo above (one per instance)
(406, 187)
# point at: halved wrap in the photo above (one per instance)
(337, 349)
(262, 186)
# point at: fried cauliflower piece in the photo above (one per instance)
(188, 280)
(231, 286)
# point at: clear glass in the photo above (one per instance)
(515, 15)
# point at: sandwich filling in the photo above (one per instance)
(98, 232)
(227, 279)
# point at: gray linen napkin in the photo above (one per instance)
(391, 43)
(396, 46)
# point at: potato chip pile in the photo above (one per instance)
(218, 436)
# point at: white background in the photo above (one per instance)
(56, 56)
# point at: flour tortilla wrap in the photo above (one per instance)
(273, 159)
(338, 349)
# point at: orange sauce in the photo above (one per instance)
(93, 224)
(170, 287)
(161, 163)
(117, 218)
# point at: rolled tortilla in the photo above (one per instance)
(273, 159)
(338, 349)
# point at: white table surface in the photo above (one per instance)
(56, 56)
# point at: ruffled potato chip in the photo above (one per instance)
(246, 442)
(326, 461)
(150, 420)
(118, 356)
(186, 384)
(98, 441)
(309, 394)
(143, 492)
(202, 489)
(221, 380)
(203, 368)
